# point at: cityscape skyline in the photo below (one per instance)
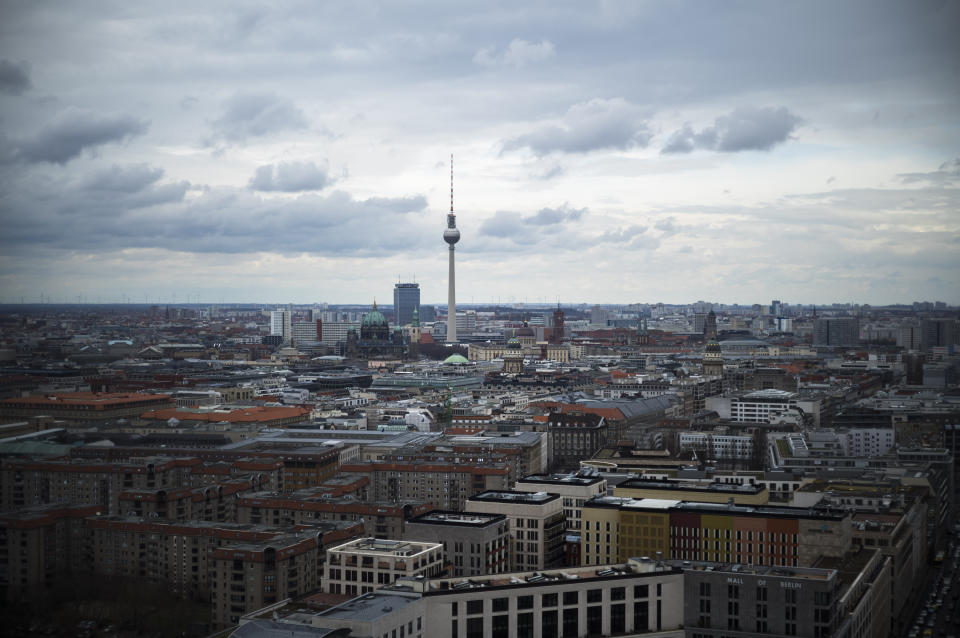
(235, 153)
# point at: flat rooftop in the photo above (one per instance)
(687, 486)
(634, 568)
(772, 571)
(500, 496)
(468, 519)
(365, 608)
(386, 547)
(561, 479)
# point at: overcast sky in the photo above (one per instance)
(604, 152)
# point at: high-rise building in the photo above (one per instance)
(938, 332)
(451, 235)
(281, 324)
(710, 326)
(836, 331)
(406, 298)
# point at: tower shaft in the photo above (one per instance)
(451, 300)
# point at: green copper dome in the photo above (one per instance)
(374, 317)
(456, 358)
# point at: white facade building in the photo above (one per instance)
(365, 564)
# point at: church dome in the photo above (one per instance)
(713, 347)
(514, 344)
(374, 318)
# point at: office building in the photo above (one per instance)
(537, 525)
(474, 544)
(406, 298)
(938, 332)
(688, 530)
(306, 331)
(364, 564)
(574, 489)
(836, 331)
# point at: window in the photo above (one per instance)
(548, 600)
(641, 591)
(704, 589)
(475, 627)
(618, 619)
(595, 620)
(594, 595)
(453, 609)
(571, 597)
(501, 604)
(524, 602)
(525, 623)
(618, 593)
(641, 616)
(501, 626)
(548, 623)
(474, 606)
(571, 622)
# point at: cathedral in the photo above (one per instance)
(376, 340)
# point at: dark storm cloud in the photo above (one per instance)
(248, 115)
(290, 177)
(14, 78)
(73, 131)
(530, 229)
(132, 178)
(552, 216)
(131, 207)
(588, 126)
(743, 129)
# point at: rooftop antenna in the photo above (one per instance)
(451, 182)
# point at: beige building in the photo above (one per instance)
(364, 564)
(537, 525)
(538, 350)
(703, 492)
(574, 489)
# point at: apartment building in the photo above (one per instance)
(43, 543)
(380, 519)
(249, 575)
(686, 530)
(474, 544)
(215, 502)
(574, 489)
(29, 482)
(446, 486)
(38, 544)
(537, 525)
(364, 564)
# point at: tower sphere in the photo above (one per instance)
(451, 235)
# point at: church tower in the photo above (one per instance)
(713, 359)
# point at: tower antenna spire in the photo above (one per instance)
(451, 182)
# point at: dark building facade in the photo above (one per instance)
(406, 297)
(574, 437)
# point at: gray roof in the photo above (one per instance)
(274, 629)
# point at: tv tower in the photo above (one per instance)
(451, 235)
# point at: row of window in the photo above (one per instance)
(502, 604)
(550, 623)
